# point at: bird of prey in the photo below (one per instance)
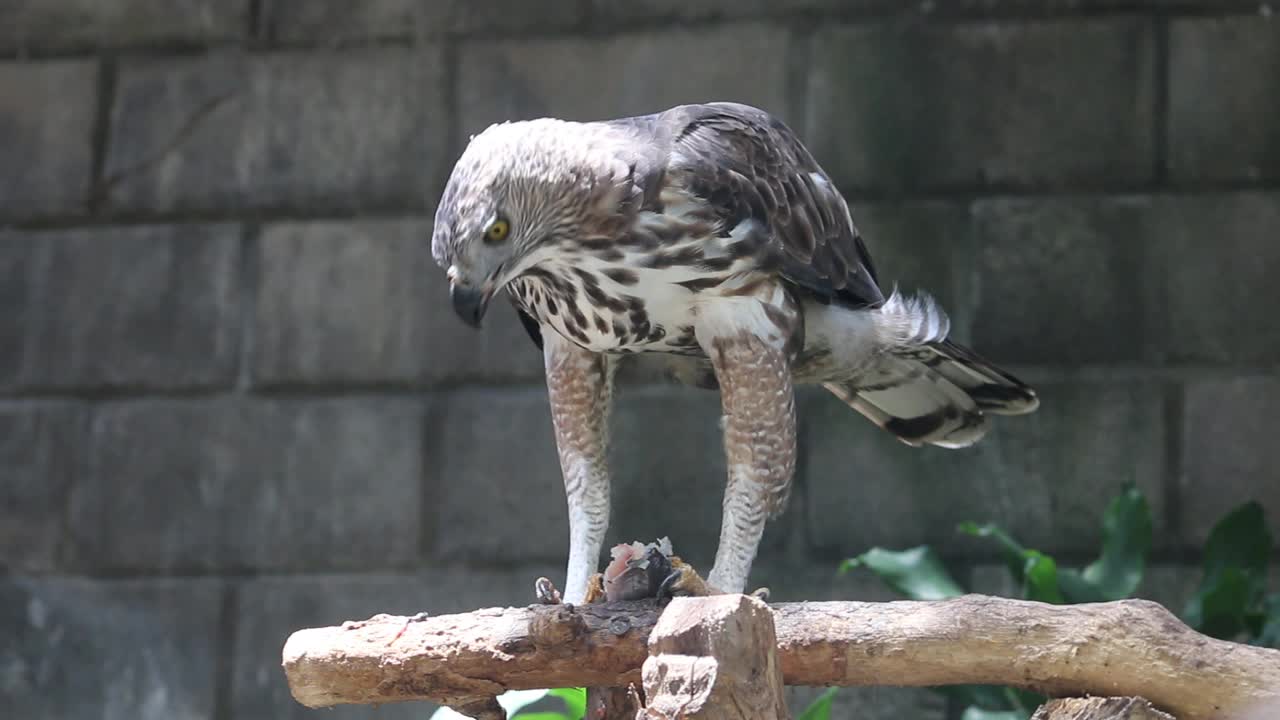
(709, 234)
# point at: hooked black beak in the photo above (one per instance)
(470, 303)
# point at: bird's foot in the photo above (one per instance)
(637, 572)
(545, 592)
(654, 571)
(595, 589)
(683, 580)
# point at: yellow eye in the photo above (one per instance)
(498, 231)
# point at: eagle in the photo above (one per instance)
(706, 234)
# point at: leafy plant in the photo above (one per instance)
(917, 573)
(1231, 599)
(1230, 603)
(820, 708)
(556, 704)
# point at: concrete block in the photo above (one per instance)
(42, 452)
(548, 77)
(917, 105)
(243, 485)
(47, 112)
(1221, 86)
(302, 132)
(143, 306)
(111, 649)
(1063, 281)
(80, 25)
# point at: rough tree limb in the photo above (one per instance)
(714, 658)
(1126, 648)
(1099, 709)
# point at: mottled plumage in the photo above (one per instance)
(709, 235)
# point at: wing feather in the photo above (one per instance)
(750, 166)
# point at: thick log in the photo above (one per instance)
(714, 659)
(1126, 648)
(1099, 709)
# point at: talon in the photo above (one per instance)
(595, 589)
(667, 589)
(546, 593)
(687, 580)
(648, 571)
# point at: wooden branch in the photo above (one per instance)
(1127, 648)
(1099, 709)
(714, 659)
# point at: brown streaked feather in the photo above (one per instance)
(759, 416)
(750, 166)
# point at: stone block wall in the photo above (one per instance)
(234, 400)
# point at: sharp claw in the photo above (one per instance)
(667, 588)
(546, 592)
(595, 589)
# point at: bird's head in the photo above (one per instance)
(521, 193)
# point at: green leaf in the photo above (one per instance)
(1269, 636)
(1040, 579)
(917, 573)
(1076, 589)
(1036, 572)
(1126, 540)
(1235, 574)
(1014, 552)
(1024, 700)
(575, 700)
(514, 701)
(994, 699)
(1240, 539)
(820, 708)
(987, 697)
(1220, 610)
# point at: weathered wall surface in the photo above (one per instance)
(235, 402)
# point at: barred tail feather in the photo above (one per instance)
(926, 389)
(994, 390)
(916, 404)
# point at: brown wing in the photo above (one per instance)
(750, 166)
